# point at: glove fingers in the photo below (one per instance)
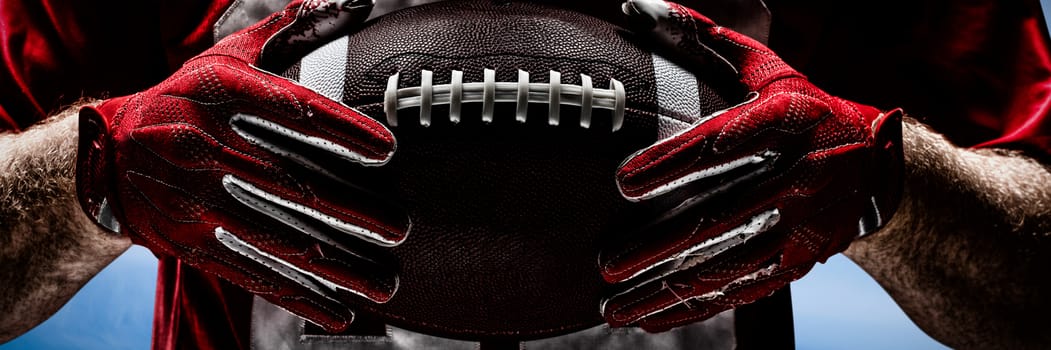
(294, 290)
(297, 124)
(274, 112)
(683, 239)
(331, 316)
(748, 289)
(324, 269)
(709, 224)
(340, 134)
(692, 287)
(349, 212)
(688, 33)
(208, 254)
(743, 142)
(706, 226)
(341, 205)
(332, 266)
(746, 273)
(200, 158)
(740, 274)
(304, 25)
(180, 213)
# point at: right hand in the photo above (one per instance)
(224, 166)
(772, 186)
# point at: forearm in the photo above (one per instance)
(48, 248)
(966, 255)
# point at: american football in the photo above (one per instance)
(511, 119)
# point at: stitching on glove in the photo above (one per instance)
(343, 226)
(380, 132)
(381, 282)
(287, 299)
(282, 267)
(667, 155)
(774, 215)
(268, 287)
(224, 146)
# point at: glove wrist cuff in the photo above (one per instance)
(94, 180)
(887, 141)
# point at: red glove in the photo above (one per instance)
(230, 168)
(762, 191)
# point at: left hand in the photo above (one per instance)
(231, 169)
(765, 189)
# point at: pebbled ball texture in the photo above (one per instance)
(507, 217)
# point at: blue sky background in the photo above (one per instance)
(836, 306)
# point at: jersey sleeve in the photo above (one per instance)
(55, 52)
(1025, 120)
(976, 71)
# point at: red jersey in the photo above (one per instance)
(978, 72)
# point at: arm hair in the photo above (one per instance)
(48, 247)
(967, 254)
